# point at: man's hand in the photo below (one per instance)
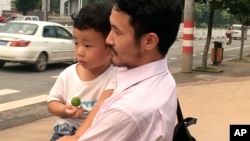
(68, 138)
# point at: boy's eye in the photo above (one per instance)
(87, 46)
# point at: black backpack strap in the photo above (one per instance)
(179, 113)
(188, 121)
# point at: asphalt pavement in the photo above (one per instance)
(217, 100)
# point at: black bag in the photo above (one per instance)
(181, 132)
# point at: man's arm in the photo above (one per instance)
(114, 125)
(87, 123)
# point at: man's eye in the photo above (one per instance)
(116, 32)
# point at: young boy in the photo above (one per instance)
(92, 75)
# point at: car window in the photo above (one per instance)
(27, 19)
(236, 28)
(49, 31)
(62, 33)
(19, 28)
(34, 19)
(18, 18)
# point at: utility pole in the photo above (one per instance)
(45, 10)
(188, 36)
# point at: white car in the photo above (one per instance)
(36, 42)
(237, 31)
(27, 18)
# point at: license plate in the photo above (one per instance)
(3, 43)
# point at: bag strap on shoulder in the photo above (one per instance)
(188, 121)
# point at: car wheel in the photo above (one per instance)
(41, 62)
(2, 63)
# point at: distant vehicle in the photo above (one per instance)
(27, 18)
(6, 14)
(237, 31)
(12, 17)
(36, 42)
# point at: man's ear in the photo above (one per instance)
(151, 41)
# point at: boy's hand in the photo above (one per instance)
(73, 111)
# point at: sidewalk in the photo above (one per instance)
(216, 100)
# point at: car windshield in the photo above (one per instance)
(19, 28)
(19, 18)
(236, 27)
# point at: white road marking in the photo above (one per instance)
(23, 102)
(172, 58)
(8, 91)
(235, 48)
(201, 44)
(174, 46)
(55, 76)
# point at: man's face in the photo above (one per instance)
(126, 52)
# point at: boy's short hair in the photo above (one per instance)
(94, 15)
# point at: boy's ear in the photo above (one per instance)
(151, 41)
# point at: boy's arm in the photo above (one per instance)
(59, 109)
(87, 123)
(56, 108)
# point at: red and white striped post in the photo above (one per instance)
(188, 36)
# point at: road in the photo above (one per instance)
(230, 51)
(23, 92)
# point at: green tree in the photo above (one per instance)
(55, 5)
(201, 15)
(25, 5)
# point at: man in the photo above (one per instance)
(143, 106)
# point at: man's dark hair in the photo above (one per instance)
(94, 15)
(162, 17)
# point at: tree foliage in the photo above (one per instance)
(239, 8)
(25, 5)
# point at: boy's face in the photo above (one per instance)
(91, 49)
(126, 52)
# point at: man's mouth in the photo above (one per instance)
(113, 50)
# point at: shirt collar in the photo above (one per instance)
(129, 77)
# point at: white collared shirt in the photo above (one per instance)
(142, 107)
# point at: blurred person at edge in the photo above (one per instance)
(229, 33)
(143, 105)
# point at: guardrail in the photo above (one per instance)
(202, 34)
(199, 34)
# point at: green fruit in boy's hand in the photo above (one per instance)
(75, 101)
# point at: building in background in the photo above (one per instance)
(5, 5)
(68, 7)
